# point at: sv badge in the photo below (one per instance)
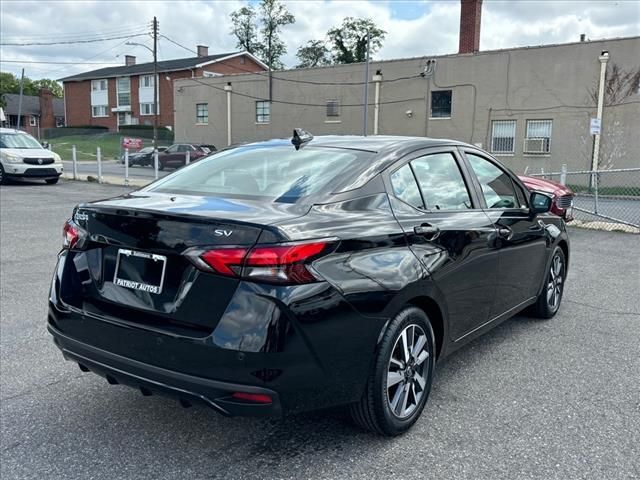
(223, 233)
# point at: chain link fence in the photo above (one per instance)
(604, 199)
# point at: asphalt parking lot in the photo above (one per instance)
(535, 399)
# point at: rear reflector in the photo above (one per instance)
(284, 263)
(253, 397)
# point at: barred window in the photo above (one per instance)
(202, 113)
(538, 138)
(333, 108)
(441, 104)
(263, 112)
(503, 133)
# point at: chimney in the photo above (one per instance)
(203, 51)
(47, 118)
(583, 37)
(470, 13)
(129, 60)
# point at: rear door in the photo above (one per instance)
(521, 235)
(448, 232)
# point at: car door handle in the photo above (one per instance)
(426, 229)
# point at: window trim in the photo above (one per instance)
(146, 114)
(200, 119)
(460, 161)
(106, 111)
(515, 132)
(431, 117)
(99, 82)
(527, 137)
(515, 181)
(118, 92)
(257, 115)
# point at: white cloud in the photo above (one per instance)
(425, 27)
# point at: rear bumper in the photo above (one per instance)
(150, 379)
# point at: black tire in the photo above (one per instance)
(52, 181)
(375, 411)
(161, 165)
(3, 177)
(544, 306)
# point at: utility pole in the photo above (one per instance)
(366, 87)
(604, 58)
(155, 84)
(20, 99)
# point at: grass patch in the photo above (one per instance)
(86, 146)
(631, 191)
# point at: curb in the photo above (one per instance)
(109, 180)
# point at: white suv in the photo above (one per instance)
(21, 156)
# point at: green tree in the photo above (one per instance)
(273, 16)
(245, 30)
(260, 34)
(52, 85)
(313, 54)
(350, 39)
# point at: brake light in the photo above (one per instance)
(252, 397)
(285, 264)
(70, 235)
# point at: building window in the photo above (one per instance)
(146, 109)
(124, 91)
(146, 81)
(263, 112)
(503, 133)
(98, 85)
(333, 108)
(32, 121)
(99, 111)
(538, 138)
(202, 113)
(441, 104)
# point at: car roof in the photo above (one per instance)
(372, 143)
(12, 130)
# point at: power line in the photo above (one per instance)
(65, 36)
(57, 63)
(285, 102)
(68, 42)
(291, 80)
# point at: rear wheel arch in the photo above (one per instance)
(429, 306)
(565, 249)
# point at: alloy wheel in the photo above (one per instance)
(555, 281)
(407, 371)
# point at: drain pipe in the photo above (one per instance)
(604, 58)
(377, 79)
(228, 88)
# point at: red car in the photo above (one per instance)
(175, 155)
(562, 195)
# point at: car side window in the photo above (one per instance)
(441, 182)
(183, 148)
(405, 186)
(172, 149)
(496, 184)
(522, 196)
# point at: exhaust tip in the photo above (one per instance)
(111, 380)
(145, 392)
(83, 368)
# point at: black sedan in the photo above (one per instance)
(142, 157)
(267, 279)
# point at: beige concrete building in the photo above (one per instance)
(529, 106)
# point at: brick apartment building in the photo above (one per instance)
(37, 112)
(117, 96)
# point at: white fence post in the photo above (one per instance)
(74, 159)
(126, 167)
(99, 158)
(563, 174)
(187, 157)
(155, 163)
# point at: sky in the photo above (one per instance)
(414, 28)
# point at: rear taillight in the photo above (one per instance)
(72, 235)
(284, 263)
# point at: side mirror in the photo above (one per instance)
(540, 202)
(45, 145)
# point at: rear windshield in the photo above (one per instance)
(277, 173)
